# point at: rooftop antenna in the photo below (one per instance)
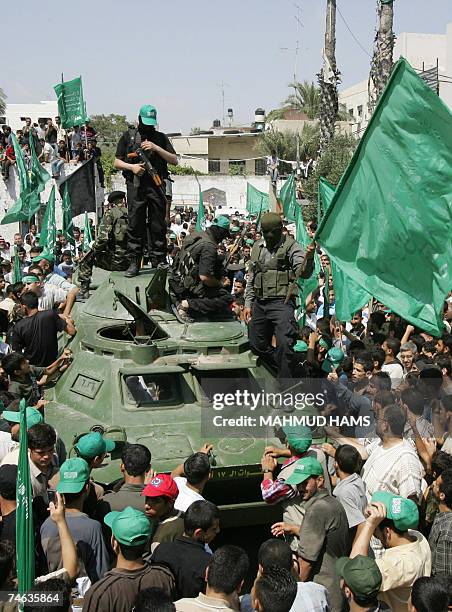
(222, 86)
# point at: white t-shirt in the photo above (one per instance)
(186, 495)
(49, 152)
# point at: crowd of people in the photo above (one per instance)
(53, 145)
(364, 502)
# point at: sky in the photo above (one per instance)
(176, 54)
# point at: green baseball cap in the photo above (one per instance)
(173, 236)
(249, 241)
(304, 469)
(33, 416)
(300, 346)
(235, 229)
(222, 221)
(361, 574)
(334, 357)
(93, 444)
(148, 114)
(74, 474)
(298, 438)
(130, 527)
(402, 511)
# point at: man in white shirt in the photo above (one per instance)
(392, 366)
(191, 477)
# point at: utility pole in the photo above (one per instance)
(328, 78)
(382, 60)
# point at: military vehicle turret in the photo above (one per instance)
(135, 366)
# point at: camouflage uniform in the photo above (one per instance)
(109, 251)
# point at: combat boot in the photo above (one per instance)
(84, 290)
(134, 267)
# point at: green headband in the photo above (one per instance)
(30, 279)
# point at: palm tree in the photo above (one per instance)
(305, 99)
(382, 60)
(2, 101)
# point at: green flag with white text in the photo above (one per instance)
(48, 236)
(349, 297)
(389, 224)
(71, 106)
(25, 539)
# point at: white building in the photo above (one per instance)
(423, 52)
(17, 113)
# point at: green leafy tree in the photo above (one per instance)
(305, 99)
(285, 143)
(110, 128)
(331, 166)
(195, 131)
(2, 101)
(183, 170)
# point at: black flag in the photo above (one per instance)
(80, 186)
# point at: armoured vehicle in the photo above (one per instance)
(136, 367)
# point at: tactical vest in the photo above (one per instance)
(273, 278)
(119, 215)
(185, 270)
(159, 164)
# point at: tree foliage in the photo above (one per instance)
(110, 128)
(305, 99)
(332, 164)
(285, 143)
(2, 101)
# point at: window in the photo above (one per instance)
(237, 166)
(360, 110)
(350, 113)
(214, 166)
(156, 390)
(260, 166)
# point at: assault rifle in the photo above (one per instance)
(235, 245)
(149, 168)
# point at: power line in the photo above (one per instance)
(353, 36)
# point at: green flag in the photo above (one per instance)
(17, 273)
(38, 175)
(71, 106)
(257, 201)
(48, 236)
(29, 201)
(201, 218)
(306, 285)
(25, 540)
(389, 224)
(288, 199)
(349, 297)
(68, 226)
(87, 236)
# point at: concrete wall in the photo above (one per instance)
(190, 145)
(186, 192)
(9, 193)
(14, 112)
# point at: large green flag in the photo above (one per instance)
(71, 106)
(16, 272)
(25, 539)
(389, 224)
(29, 201)
(48, 236)
(349, 297)
(257, 201)
(38, 174)
(87, 236)
(288, 199)
(67, 225)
